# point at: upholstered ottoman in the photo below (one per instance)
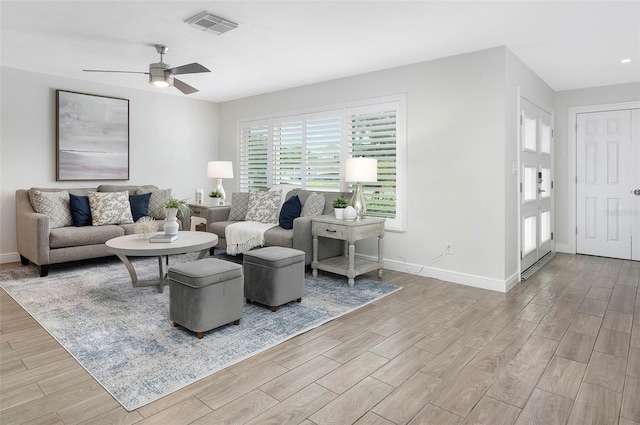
(273, 276)
(205, 294)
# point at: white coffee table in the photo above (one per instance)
(135, 246)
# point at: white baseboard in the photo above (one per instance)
(563, 248)
(449, 276)
(12, 257)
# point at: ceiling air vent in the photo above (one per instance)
(205, 21)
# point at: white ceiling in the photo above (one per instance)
(283, 44)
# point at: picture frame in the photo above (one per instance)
(92, 137)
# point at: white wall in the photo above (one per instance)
(563, 101)
(456, 159)
(171, 140)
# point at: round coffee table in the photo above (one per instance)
(135, 246)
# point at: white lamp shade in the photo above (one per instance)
(364, 170)
(220, 169)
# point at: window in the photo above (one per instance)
(307, 150)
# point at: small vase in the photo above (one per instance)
(339, 213)
(350, 213)
(171, 224)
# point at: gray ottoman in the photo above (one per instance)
(205, 294)
(273, 276)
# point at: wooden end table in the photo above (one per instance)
(349, 232)
(135, 246)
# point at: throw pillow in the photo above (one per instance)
(156, 202)
(139, 205)
(264, 206)
(290, 210)
(313, 206)
(239, 206)
(80, 210)
(55, 205)
(110, 208)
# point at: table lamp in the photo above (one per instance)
(220, 170)
(360, 170)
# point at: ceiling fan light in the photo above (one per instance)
(158, 81)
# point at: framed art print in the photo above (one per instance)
(92, 137)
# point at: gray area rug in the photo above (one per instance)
(123, 337)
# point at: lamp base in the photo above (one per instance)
(358, 203)
(220, 189)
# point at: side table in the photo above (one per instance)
(350, 232)
(200, 211)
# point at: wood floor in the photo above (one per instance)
(561, 348)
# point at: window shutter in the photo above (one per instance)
(254, 156)
(322, 165)
(287, 153)
(372, 133)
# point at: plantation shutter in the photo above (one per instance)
(287, 152)
(254, 155)
(322, 162)
(372, 132)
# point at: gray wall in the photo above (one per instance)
(171, 139)
(460, 186)
(563, 101)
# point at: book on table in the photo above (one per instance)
(162, 238)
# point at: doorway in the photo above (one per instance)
(536, 184)
(608, 183)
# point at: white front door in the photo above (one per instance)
(536, 184)
(607, 167)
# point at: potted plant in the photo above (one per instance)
(217, 194)
(171, 207)
(339, 204)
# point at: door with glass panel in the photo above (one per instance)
(536, 184)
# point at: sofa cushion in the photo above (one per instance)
(277, 236)
(139, 205)
(132, 189)
(239, 206)
(218, 227)
(156, 202)
(110, 208)
(264, 206)
(290, 210)
(313, 206)
(64, 237)
(80, 210)
(53, 204)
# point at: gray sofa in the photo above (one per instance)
(297, 238)
(39, 244)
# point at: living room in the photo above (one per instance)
(461, 128)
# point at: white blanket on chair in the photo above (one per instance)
(244, 235)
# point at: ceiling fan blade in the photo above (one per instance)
(119, 72)
(192, 68)
(183, 87)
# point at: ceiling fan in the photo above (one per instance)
(162, 75)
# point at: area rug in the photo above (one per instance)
(123, 337)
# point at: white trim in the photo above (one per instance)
(563, 248)
(11, 257)
(482, 282)
(572, 158)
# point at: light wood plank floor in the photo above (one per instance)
(561, 348)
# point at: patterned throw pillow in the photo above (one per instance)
(156, 202)
(110, 208)
(55, 205)
(239, 206)
(264, 206)
(314, 205)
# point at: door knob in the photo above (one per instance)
(636, 192)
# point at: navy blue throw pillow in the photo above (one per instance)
(80, 210)
(290, 210)
(139, 205)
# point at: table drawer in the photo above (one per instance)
(326, 230)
